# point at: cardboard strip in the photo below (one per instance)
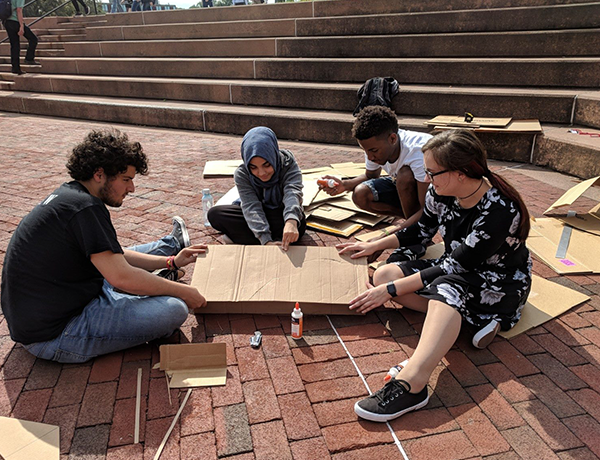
(166, 438)
(332, 213)
(138, 397)
(376, 234)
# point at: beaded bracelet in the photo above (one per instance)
(171, 263)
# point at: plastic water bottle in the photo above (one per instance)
(207, 203)
(297, 316)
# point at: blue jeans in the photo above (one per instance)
(136, 5)
(115, 320)
(116, 7)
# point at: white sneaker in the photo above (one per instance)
(486, 334)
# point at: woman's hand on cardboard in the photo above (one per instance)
(373, 297)
(359, 249)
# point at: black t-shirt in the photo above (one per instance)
(48, 277)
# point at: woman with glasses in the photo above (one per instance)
(483, 277)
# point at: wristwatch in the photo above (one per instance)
(391, 289)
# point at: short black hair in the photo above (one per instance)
(374, 120)
(110, 150)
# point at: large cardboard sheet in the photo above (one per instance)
(267, 280)
(583, 253)
(25, 440)
(546, 300)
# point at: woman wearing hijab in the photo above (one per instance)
(270, 187)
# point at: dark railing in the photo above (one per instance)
(47, 14)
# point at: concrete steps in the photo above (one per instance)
(496, 20)
(296, 67)
(547, 105)
(580, 72)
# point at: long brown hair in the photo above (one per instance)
(460, 150)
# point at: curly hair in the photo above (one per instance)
(374, 120)
(109, 150)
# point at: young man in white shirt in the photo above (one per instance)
(398, 153)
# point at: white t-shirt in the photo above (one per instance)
(410, 155)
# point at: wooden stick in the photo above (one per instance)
(166, 438)
(168, 390)
(138, 397)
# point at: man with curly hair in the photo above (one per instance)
(69, 291)
(398, 153)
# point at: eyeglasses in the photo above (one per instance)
(431, 175)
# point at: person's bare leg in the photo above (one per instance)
(392, 272)
(440, 331)
(406, 184)
(364, 199)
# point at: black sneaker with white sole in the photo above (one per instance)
(172, 275)
(392, 401)
(486, 334)
(180, 232)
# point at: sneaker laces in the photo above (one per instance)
(391, 391)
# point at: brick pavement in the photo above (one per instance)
(535, 396)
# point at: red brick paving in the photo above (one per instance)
(534, 396)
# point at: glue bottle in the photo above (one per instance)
(395, 370)
(329, 183)
(297, 322)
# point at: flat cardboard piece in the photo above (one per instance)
(376, 233)
(345, 202)
(310, 189)
(515, 126)
(367, 219)
(268, 280)
(194, 364)
(25, 440)
(546, 300)
(589, 222)
(318, 170)
(332, 213)
(458, 121)
(220, 168)
(583, 253)
(344, 228)
(231, 195)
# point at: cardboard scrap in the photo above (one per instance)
(589, 222)
(344, 228)
(492, 125)
(376, 233)
(332, 213)
(220, 168)
(546, 300)
(345, 201)
(368, 219)
(457, 121)
(583, 253)
(194, 364)
(267, 280)
(25, 440)
(433, 252)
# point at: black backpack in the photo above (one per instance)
(376, 91)
(5, 9)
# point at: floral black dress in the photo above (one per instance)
(485, 271)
